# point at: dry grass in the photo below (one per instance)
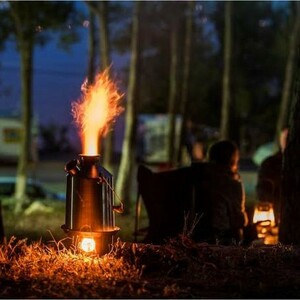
(37, 270)
(178, 269)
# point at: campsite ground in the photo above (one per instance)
(179, 269)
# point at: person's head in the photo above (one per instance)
(225, 153)
(198, 150)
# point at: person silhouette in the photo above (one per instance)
(228, 197)
(268, 187)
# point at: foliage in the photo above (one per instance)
(258, 62)
(39, 27)
(178, 269)
(259, 36)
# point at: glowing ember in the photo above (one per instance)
(96, 111)
(87, 244)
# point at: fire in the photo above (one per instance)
(96, 110)
(87, 244)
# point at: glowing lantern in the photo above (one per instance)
(90, 196)
(265, 222)
(264, 213)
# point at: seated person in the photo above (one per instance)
(224, 196)
(268, 186)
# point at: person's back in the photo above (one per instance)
(227, 194)
(268, 188)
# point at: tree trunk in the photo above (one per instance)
(186, 74)
(172, 93)
(100, 9)
(105, 63)
(92, 48)
(26, 51)
(289, 70)
(226, 98)
(289, 232)
(25, 17)
(123, 186)
(104, 34)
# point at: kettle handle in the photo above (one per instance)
(118, 208)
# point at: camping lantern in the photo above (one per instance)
(89, 218)
(265, 221)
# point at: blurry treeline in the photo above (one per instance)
(222, 64)
(260, 45)
(260, 35)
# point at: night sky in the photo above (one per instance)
(58, 76)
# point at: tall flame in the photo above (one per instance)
(96, 110)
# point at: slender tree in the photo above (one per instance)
(28, 23)
(226, 97)
(186, 72)
(173, 92)
(105, 58)
(92, 48)
(26, 44)
(101, 11)
(124, 179)
(290, 205)
(289, 70)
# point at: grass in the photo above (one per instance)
(40, 271)
(35, 225)
(45, 220)
(178, 269)
(41, 222)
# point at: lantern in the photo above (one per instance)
(265, 222)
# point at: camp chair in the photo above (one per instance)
(167, 197)
(202, 180)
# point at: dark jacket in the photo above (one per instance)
(220, 200)
(268, 186)
(228, 199)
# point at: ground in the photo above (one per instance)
(41, 267)
(178, 269)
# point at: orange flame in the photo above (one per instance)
(96, 110)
